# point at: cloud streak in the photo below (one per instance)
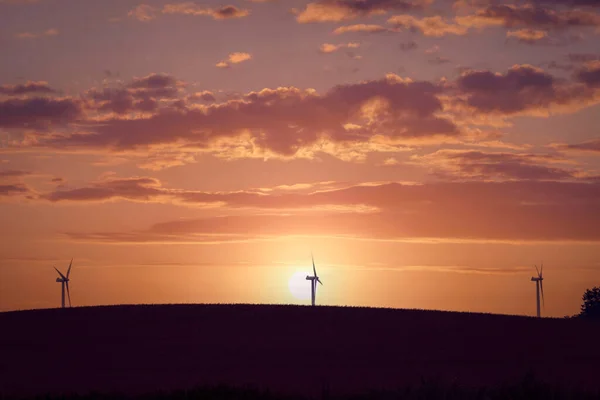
(146, 13)
(515, 211)
(327, 48)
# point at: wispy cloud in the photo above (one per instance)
(327, 48)
(234, 58)
(527, 35)
(368, 28)
(35, 35)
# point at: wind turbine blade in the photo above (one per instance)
(542, 290)
(68, 293)
(537, 270)
(61, 275)
(313, 260)
(541, 269)
(69, 270)
(318, 280)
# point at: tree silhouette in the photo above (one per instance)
(591, 303)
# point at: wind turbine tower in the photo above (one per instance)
(539, 286)
(64, 280)
(313, 282)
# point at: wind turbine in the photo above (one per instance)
(64, 280)
(539, 285)
(313, 282)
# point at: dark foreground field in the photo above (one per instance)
(288, 349)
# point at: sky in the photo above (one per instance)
(429, 153)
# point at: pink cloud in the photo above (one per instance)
(369, 28)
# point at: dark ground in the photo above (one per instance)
(289, 349)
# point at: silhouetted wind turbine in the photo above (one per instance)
(313, 282)
(64, 280)
(539, 285)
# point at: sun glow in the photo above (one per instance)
(299, 286)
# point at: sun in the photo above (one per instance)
(299, 286)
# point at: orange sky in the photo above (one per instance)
(429, 153)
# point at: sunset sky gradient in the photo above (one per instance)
(427, 152)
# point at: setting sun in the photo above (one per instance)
(299, 286)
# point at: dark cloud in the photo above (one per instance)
(26, 88)
(12, 173)
(130, 189)
(523, 88)
(153, 81)
(470, 165)
(588, 146)
(567, 3)
(38, 112)
(229, 12)
(590, 74)
(348, 121)
(517, 79)
(407, 46)
(14, 189)
(141, 94)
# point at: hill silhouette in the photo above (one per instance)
(288, 349)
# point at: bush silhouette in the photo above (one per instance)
(591, 303)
